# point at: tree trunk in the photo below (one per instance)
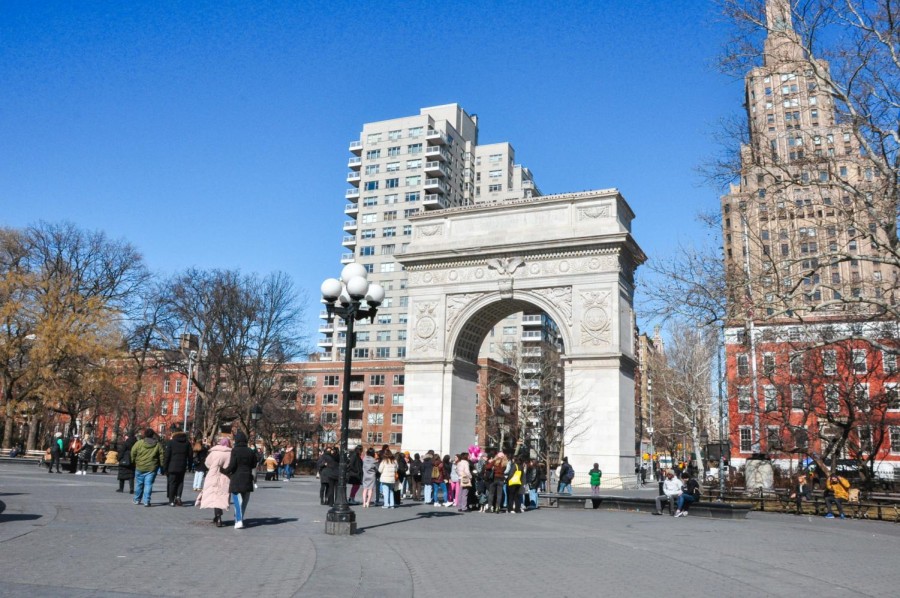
(33, 426)
(8, 424)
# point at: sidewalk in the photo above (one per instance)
(66, 535)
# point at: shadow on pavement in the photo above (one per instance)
(259, 521)
(418, 517)
(22, 517)
(13, 493)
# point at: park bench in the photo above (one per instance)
(716, 510)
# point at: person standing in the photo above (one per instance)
(328, 469)
(427, 470)
(836, 492)
(388, 470)
(566, 475)
(241, 468)
(415, 478)
(287, 461)
(215, 493)
(514, 485)
(369, 477)
(531, 481)
(126, 465)
(56, 452)
(74, 448)
(464, 473)
(177, 458)
(147, 456)
(354, 473)
(596, 475)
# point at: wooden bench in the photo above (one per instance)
(716, 510)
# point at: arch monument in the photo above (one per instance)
(570, 255)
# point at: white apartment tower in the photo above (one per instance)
(398, 168)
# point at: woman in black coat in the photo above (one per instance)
(241, 469)
(126, 467)
(177, 458)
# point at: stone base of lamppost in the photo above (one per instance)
(340, 523)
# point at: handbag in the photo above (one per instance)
(516, 478)
(466, 481)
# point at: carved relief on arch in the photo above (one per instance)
(456, 304)
(561, 297)
(594, 212)
(430, 230)
(425, 326)
(596, 325)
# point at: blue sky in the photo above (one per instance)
(215, 134)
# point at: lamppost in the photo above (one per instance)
(650, 428)
(356, 299)
(256, 413)
(704, 450)
(187, 399)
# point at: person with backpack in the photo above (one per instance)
(595, 474)
(402, 469)
(514, 485)
(566, 475)
(439, 486)
(84, 457)
(414, 478)
(690, 493)
(125, 472)
(496, 492)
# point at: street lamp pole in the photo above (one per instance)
(349, 292)
(650, 427)
(187, 399)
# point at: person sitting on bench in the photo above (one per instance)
(671, 492)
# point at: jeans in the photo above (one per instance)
(387, 496)
(830, 500)
(144, 486)
(429, 491)
(240, 500)
(198, 480)
(288, 472)
(685, 500)
(566, 488)
(665, 497)
(533, 497)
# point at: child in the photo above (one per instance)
(596, 474)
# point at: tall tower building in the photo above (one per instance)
(398, 168)
(800, 250)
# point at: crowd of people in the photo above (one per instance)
(468, 481)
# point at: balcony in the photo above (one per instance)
(326, 328)
(435, 137)
(437, 153)
(351, 209)
(353, 178)
(349, 242)
(356, 405)
(350, 226)
(357, 386)
(323, 315)
(346, 258)
(531, 352)
(436, 169)
(325, 342)
(435, 202)
(355, 424)
(356, 147)
(531, 320)
(436, 185)
(352, 194)
(531, 335)
(355, 163)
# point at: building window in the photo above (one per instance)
(374, 437)
(494, 188)
(829, 363)
(373, 154)
(414, 148)
(371, 186)
(414, 181)
(396, 437)
(397, 398)
(798, 397)
(399, 379)
(892, 397)
(383, 336)
(832, 398)
(746, 439)
(859, 361)
(743, 365)
(861, 396)
(889, 361)
(330, 399)
(361, 352)
(771, 398)
(178, 385)
(307, 398)
(387, 267)
(865, 438)
(375, 419)
(401, 352)
(329, 417)
(164, 407)
(166, 385)
(376, 379)
(773, 437)
(391, 183)
(367, 233)
(412, 196)
(396, 419)
(373, 169)
(895, 439)
(796, 362)
(768, 364)
(389, 231)
(744, 395)
(407, 230)
(801, 437)
(382, 352)
(331, 380)
(365, 251)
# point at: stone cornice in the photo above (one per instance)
(528, 201)
(537, 256)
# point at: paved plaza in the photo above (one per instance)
(73, 536)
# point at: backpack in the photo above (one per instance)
(436, 473)
(487, 473)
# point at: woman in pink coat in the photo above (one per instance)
(215, 484)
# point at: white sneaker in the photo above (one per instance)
(448, 504)
(678, 513)
(684, 513)
(238, 525)
(437, 504)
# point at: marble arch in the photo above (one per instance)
(571, 255)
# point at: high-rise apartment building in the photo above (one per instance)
(398, 168)
(801, 246)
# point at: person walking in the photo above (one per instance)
(147, 456)
(241, 469)
(216, 482)
(177, 458)
(125, 472)
(200, 453)
(388, 470)
(57, 448)
(464, 473)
